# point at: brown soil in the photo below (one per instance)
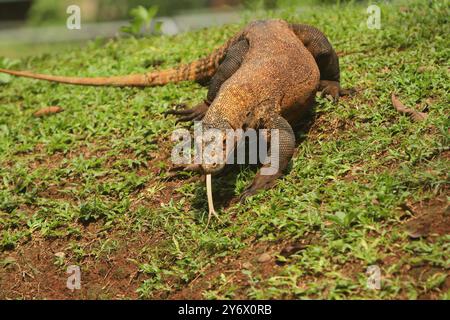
(32, 272)
(430, 218)
(258, 258)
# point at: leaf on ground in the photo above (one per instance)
(401, 108)
(47, 111)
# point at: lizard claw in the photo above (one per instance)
(333, 90)
(195, 114)
(176, 171)
(347, 92)
(261, 182)
(189, 167)
(248, 192)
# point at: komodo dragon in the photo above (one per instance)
(266, 76)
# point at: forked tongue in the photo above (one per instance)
(211, 211)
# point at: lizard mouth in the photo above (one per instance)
(213, 168)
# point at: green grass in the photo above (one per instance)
(92, 179)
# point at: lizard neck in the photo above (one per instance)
(216, 119)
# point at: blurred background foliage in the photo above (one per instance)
(53, 11)
(47, 12)
(30, 27)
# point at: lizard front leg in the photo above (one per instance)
(267, 175)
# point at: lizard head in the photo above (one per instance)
(214, 146)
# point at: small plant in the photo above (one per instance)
(141, 20)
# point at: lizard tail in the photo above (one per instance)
(195, 71)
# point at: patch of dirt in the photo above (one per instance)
(431, 217)
(425, 219)
(31, 272)
(423, 274)
(259, 258)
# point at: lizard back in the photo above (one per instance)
(277, 68)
